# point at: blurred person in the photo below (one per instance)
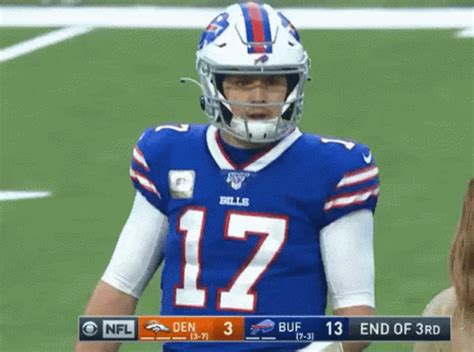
(251, 216)
(458, 300)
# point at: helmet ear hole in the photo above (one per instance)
(202, 103)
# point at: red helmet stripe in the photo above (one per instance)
(256, 21)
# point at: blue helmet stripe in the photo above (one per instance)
(263, 22)
(248, 26)
(266, 29)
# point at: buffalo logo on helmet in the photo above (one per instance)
(214, 29)
(289, 26)
(262, 59)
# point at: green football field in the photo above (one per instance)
(71, 113)
(276, 3)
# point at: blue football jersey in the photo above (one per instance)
(243, 239)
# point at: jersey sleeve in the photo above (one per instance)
(145, 171)
(354, 185)
(139, 250)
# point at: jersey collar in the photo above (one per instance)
(262, 161)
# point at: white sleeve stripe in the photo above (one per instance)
(139, 158)
(360, 177)
(144, 181)
(352, 199)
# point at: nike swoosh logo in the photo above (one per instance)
(367, 158)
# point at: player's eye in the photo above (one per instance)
(249, 82)
(275, 80)
(244, 81)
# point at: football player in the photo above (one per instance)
(251, 216)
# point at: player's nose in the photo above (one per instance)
(258, 94)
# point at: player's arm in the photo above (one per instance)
(348, 256)
(137, 255)
(107, 300)
(355, 310)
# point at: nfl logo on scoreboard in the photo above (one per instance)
(236, 179)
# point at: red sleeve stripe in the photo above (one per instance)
(144, 182)
(358, 171)
(139, 158)
(348, 199)
(360, 176)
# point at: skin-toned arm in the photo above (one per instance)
(138, 253)
(106, 300)
(355, 311)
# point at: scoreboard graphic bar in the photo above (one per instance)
(263, 328)
(167, 329)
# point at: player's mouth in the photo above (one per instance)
(260, 115)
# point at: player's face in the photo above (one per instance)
(256, 89)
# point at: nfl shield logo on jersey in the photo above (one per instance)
(235, 179)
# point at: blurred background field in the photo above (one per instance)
(71, 113)
(276, 3)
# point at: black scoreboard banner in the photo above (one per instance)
(264, 328)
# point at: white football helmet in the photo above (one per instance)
(252, 39)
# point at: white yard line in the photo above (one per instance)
(80, 20)
(466, 33)
(41, 41)
(189, 17)
(16, 195)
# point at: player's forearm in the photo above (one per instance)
(355, 311)
(106, 300)
(354, 346)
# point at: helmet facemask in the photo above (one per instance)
(267, 130)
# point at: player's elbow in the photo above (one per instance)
(108, 300)
(355, 311)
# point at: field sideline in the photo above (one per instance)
(198, 17)
(71, 113)
(84, 19)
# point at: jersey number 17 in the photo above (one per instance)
(239, 295)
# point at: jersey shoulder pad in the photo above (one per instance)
(151, 158)
(351, 174)
(339, 155)
(155, 138)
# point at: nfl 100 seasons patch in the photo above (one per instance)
(236, 179)
(181, 183)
